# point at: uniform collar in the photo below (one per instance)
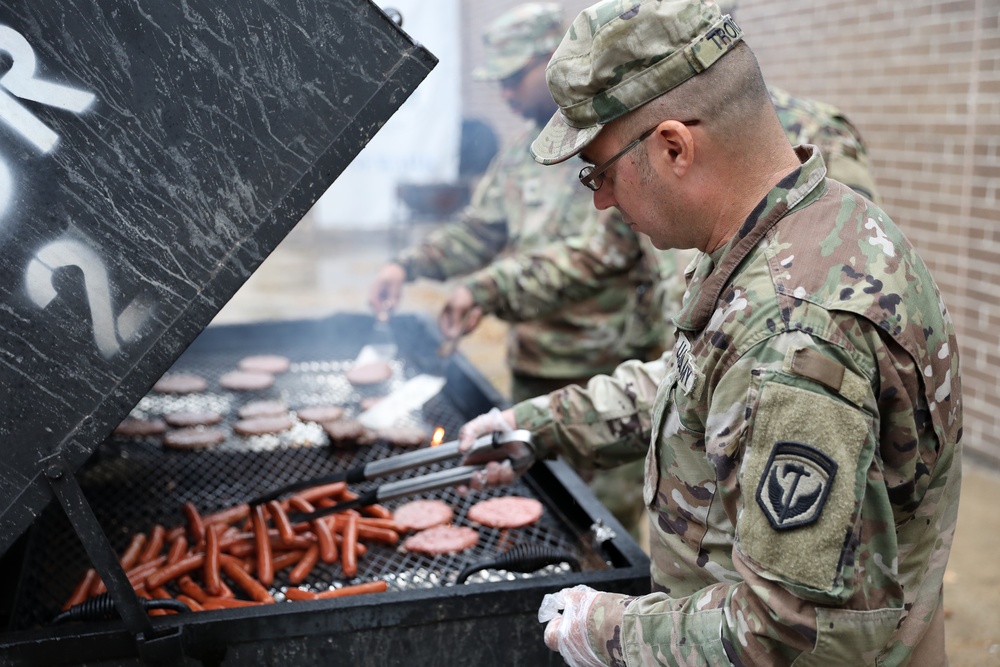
(798, 189)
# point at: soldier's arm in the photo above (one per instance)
(840, 143)
(454, 250)
(833, 574)
(468, 244)
(601, 425)
(847, 157)
(534, 284)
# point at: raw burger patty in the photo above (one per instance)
(244, 381)
(133, 427)
(263, 425)
(194, 438)
(265, 363)
(442, 540)
(371, 373)
(422, 514)
(404, 436)
(506, 512)
(345, 432)
(180, 383)
(320, 413)
(255, 409)
(192, 418)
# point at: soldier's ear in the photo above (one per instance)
(674, 145)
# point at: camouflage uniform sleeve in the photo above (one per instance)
(537, 283)
(467, 245)
(823, 582)
(454, 250)
(839, 141)
(603, 425)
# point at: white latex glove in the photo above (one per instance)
(497, 473)
(565, 614)
(494, 420)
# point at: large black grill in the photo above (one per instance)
(134, 483)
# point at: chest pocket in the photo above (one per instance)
(680, 484)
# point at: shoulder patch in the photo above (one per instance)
(794, 487)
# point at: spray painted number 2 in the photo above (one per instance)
(20, 82)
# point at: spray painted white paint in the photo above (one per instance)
(21, 82)
(71, 252)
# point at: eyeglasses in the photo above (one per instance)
(593, 177)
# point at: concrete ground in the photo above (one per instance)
(314, 274)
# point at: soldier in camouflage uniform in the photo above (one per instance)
(802, 440)
(581, 290)
(570, 320)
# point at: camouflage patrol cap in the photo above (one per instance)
(519, 35)
(620, 54)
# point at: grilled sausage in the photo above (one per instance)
(254, 588)
(305, 565)
(377, 586)
(349, 554)
(265, 566)
(154, 545)
(170, 572)
(213, 576)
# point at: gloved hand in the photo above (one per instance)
(387, 289)
(497, 473)
(566, 632)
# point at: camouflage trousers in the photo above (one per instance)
(619, 489)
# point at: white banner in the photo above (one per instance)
(420, 143)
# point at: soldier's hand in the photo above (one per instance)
(460, 314)
(496, 473)
(387, 289)
(565, 615)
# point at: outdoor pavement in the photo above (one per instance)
(317, 273)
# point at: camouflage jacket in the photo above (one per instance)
(581, 290)
(826, 127)
(803, 472)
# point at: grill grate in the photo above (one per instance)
(132, 484)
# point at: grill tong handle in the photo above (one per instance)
(391, 490)
(482, 446)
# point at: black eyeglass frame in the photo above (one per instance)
(593, 177)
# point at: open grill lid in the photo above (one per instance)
(151, 156)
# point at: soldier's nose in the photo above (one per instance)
(604, 197)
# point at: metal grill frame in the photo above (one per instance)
(370, 629)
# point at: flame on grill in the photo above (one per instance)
(438, 436)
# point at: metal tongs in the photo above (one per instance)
(484, 449)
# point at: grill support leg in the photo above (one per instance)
(160, 649)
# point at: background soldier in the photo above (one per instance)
(581, 290)
(803, 466)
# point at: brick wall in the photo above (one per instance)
(921, 79)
